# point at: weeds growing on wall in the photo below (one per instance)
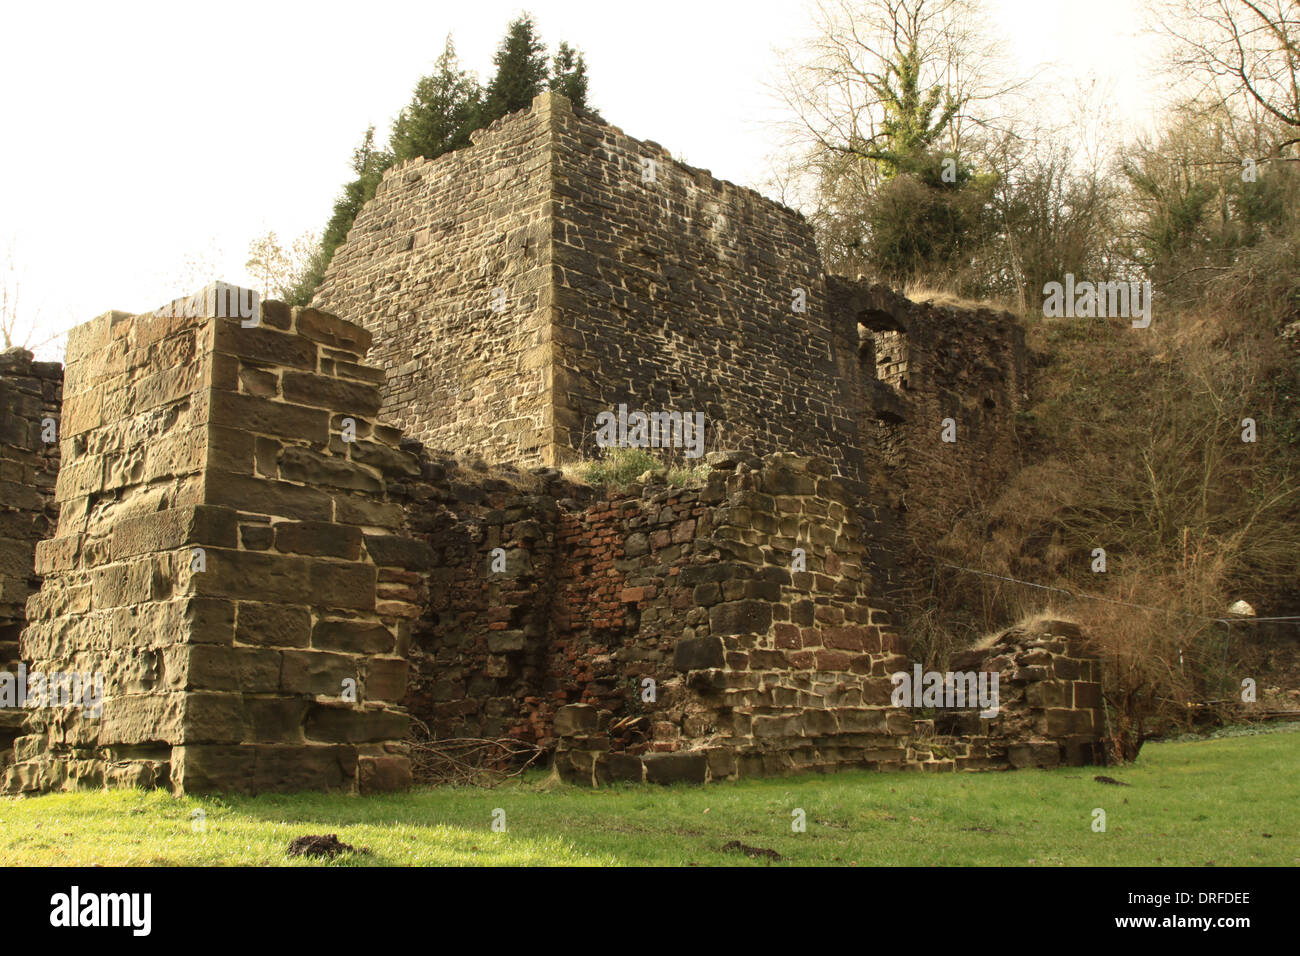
(1161, 468)
(619, 468)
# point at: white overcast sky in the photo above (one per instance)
(145, 144)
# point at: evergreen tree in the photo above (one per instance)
(444, 110)
(569, 76)
(446, 107)
(521, 71)
(369, 163)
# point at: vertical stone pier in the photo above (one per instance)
(226, 558)
(29, 461)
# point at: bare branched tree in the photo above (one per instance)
(278, 270)
(1244, 54)
(882, 93)
(883, 74)
(9, 294)
(20, 324)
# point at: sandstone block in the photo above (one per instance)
(350, 636)
(331, 330)
(619, 768)
(317, 672)
(383, 774)
(299, 463)
(320, 538)
(697, 654)
(260, 496)
(676, 768)
(266, 417)
(395, 551)
(386, 679)
(322, 391)
(740, 617)
(273, 625)
(340, 723)
(573, 720)
(265, 345)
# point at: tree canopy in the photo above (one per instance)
(446, 107)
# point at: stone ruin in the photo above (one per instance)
(280, 545)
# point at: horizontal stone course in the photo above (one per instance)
(743, 696)
(262, 658)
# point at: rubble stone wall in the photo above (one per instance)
(675, 634)
(921, 364)
(478, 649)
(30, 403)
(1050, 714)
(595, 591)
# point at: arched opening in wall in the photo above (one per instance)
(884, 361)
(891, 346)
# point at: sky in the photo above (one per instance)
(146, 144)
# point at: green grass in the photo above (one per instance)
(1225, 802)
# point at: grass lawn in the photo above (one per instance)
(1223, 802)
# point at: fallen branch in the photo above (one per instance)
(470, 761)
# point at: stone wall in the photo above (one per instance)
(468, 367)
(226, 562)
(596, 596)
(920, 364)
(631, 279)
(1050, 715)
(478, 648)
(677, 291)
(30, 401)
(670, 633)
(553, 270)
(676, 294)
(585, 605)
(776, 655)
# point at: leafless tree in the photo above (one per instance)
(19, 324)
(883, 87)
(9, 307)
(279, 270)
(1244, 54)
(840, 86)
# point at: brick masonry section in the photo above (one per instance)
(669, 634)
(226, 559)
